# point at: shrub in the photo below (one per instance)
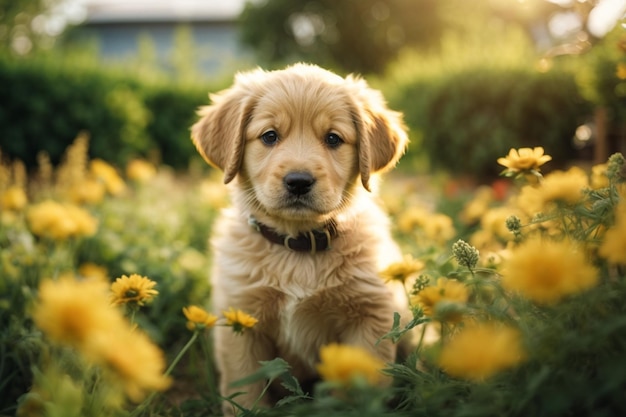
(173, 112)
(480, 96)
(468, 118)
(46, 103)
(44, 107)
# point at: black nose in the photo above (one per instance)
(298, 182)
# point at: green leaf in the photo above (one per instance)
(269, 370)
(396, 332)
(291, 384)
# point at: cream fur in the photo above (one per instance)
(302, 301)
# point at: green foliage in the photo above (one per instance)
(32, 100)
(574, 349)
(603, 77)
(350, 36)
(21, 31)
(477, 115)
(479, 98)
(163, 239)
(139, 232)
(174, 111)
(366, 36)
(464, 111)
(124, 117)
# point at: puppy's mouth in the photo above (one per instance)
(298, 197)
(300, 204)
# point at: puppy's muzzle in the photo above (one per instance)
(298, 182)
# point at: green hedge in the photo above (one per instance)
(465, 120)
(44, 106)
(461, 120)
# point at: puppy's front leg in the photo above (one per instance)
(237, 356)
(368, 333)
(353, 314)
(366, 318)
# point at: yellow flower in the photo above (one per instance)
(113, 182)
(87, 191)
(411, 218)
(495, 258)
(435, 226)
(400, 271)
(558, 187)
(91, 270)
(14, 198)
(135, 361)
(545, 270)
(60, 221)
(344, 364)
(447, 293)
(239, 320)
(620, 72)
(480, 351)
(613, 247)
(565, 186)
(484, 240)
(140, 170)
(73, 166)
(476, 207)
(524, 160)
(71, 312)
(494, 221)
(79, 314)
(85, 224)
(198, 318)
(599, 178)
(439, 228)
(133, 289)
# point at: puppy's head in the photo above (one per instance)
(298, 139)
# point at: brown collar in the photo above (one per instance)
(313, 241)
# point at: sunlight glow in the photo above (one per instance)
(605, 15)
(562, 25)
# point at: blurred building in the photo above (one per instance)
(204, 29)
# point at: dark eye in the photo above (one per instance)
(270, 137)
(333, 140)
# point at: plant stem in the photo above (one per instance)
(206, 347)
(133, 311)
(256, 402)
(185, 348)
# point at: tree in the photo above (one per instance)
(28, 24)
(348, 35)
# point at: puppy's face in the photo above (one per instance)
(300, 158)
(298, 140)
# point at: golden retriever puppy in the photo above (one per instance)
(301, 246)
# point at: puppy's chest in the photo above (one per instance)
(302, 324)
(300, 293)
(294, 274)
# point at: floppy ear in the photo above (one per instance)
(382, 133)
(219, 135)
